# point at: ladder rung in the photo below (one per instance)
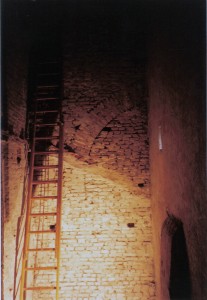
(46, 152)
(40, 268)
(47, 111)
(41, 231)
(46, 137)
(45, 167)
(47, 124)
(45, 181)
(44, 198)
(46, 98)
(43, 214)
(41, 249)
(35, 288)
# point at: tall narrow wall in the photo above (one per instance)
(13, 145)
(106, 238)
(14, 158)
(177, 137)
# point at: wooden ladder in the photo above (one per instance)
(41, 252)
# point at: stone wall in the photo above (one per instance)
(15, 48)
(177, 116)
(106, 240)
(105, 97)
(14, 157)
(106, 243)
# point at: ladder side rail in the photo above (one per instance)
(21, 231)
(59, 207)
(27, 223)
(19, 267)
(60, 180)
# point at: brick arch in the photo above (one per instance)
(114, 137)
(122, 145)
(95, 92)
(84, 125)
(108, 126)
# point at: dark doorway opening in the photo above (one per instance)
(180, 284)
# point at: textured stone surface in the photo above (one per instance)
(105, 103)
(106, 240)
(178, 171)
(106, 243)
(102, 257)
(15, 44)
(13, 172)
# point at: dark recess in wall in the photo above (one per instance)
(180, 285)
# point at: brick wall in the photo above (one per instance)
(15, 45)
(106, 241)
(105, 100)
(13, 172)
(106, 236)
(106, 249)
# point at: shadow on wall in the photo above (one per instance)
(175, 273)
